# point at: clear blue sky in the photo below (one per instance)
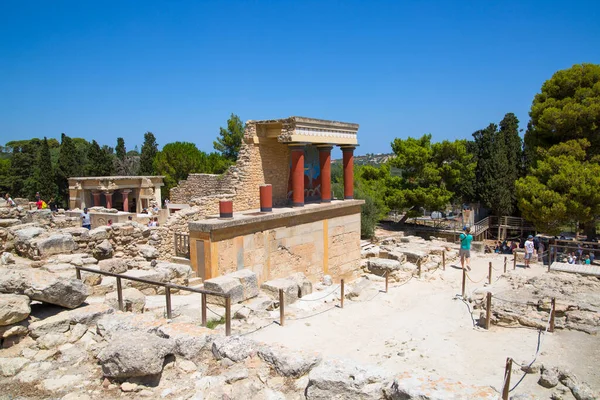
(104, 69)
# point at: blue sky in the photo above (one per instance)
(104, 69)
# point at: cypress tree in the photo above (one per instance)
(509, 127)
(45, 175)
(68, 166)
(120, 149)
(99, 161)
(149, 150)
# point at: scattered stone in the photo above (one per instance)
(548, 378)
(44, 286)
(11, 366)
(135, 354)
(242, 313)
(133, 300)
(13, 308)
(290, 289)
(103, 250)
(113, 265)
(235, 348)
(6, 258)
(236, 374)
(99, 233)
(148, 252)
(327, 281)
(249, 282)
(187, 366)
(304, 285)
(358, 287)
(189, 339)
(77, 331)
(226, 285)
(55, 244)
(333, 379)
(531, 369)
(287, 362)
(61, 383)
(128, 387)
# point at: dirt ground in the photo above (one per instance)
(421, 325)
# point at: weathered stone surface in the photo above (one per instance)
(55, 244)
(135, 354)
(381, 266)
(190, 339)
(58, 323)
(304, 285)
(14, 330)
(288, 362)
(358, 287)
(148, 252)
(235, 348)
(6, 222)
(226, 285)
(11, 366)
(249, 282)
(133, 300)
(6, 258)
(26, 234)
(13, 308)
(99, 233)
(44, 286)
(414, 256)
(290, 289)
(103, 250)
(548, 378)
(417, 385)
(121, 324)
(333, 379)
(113, 265)
(89, 314)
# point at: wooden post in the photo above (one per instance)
(168, 298)
(387, 279)
(444, 259)
(507, 372)
(490, 274)
(119, 294)
(342, 288)
(203, 309)
(281, 308)
(78, 273)
(514, 259)
(552, 315)
(505, 261)
(488, 311)
(464, 282)
(227, 316)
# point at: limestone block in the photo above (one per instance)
(381, 266)
(133, 300)
(249, 282)
(226, 285)
(304, 285)
(13, 308)
(289, 286)
(113, 265)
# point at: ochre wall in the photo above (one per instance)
(328, 246)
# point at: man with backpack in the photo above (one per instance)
(465, 248)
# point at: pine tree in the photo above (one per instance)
(99, 160)
(68, 167)
(230, 140)
(149, 150)
(120, 149)
(44, 173)
(22, 168)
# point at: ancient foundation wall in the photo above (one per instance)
(328, 246)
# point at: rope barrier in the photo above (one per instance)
(312, 315)
(321, 298)
(217, 314)
(258, 329)
(485, 277)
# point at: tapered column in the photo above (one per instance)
(97, 201)
(297, 175)
(125, 194)
(348, 152)
(325, 166)
(108, 196)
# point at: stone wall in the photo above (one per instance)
(330, 246)
(262, 160)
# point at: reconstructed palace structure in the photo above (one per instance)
(273, 212)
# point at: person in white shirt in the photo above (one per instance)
(529, 250)
(85, 219)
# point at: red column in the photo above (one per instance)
(266, 198)
(125, 194)
(97, 201)
(348, 153)
(226, 209)
(108, 196)
(325, 165)
(298, 176)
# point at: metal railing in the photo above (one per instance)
(168, 286)
(182, 245)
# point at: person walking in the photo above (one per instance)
(529, 249)
(465, 248)
(85, 219)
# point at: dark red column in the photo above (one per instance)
(125, 194)
(298, 176)
(348, 153)
(266, 198)
(226, 209)
(108, 196)
(97, 201)
(325, 165)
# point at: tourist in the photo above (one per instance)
(85, 219)
(465, 247)
(39, 203)
(130, 218)
(587, 260)
(155, 221)
(592, 256)
(529, 249)
(9, 200)
(571, 259)
(109, 222)
(580, 253)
